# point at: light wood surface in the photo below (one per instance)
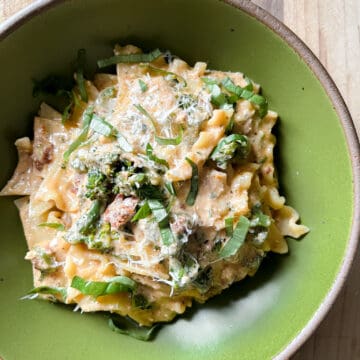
(331, 28)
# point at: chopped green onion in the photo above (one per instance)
(86, 120)
(194, 185)
(163, 72)
(127, 326)
(235, 242)
(142, 213)
(142, 85)
(129, 58)
(149, 191)
(46, 290)
(229, 224)
(80, 74)
(170, 141)
(261, 102)
(150, 154)
(101, 288)
(56, 226)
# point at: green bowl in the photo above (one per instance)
(263, 317)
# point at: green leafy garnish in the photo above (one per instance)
(259, 218)
(142, 85)
(235, 242)
(150, 154)
(149, 191)
(170, 141)
(101, 288)
(127, 326)
(158, 210)
(142, 213)
(56, 226)
(247, 93)
(102, 127)
(80, 80)
(170, 188)
(167, 236)
(229, 226)
(129, 58)
(46, 290)
(86, 120)
(230, 147)
(169, 74)
(160, 140)
(194, 184)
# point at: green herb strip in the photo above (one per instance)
(129, 58)
(142, 85)
(127, 326)
(86, 120)
(194, 184)
(46, 290)
(160, 140)
(150, 154)
(56, 226)
(80, 80)
(101, 288)
(170, 141)
(235, 242)
(163, 72)
(142, 213)
(229, 226)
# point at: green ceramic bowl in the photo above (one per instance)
(264, 317)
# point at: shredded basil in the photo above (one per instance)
(170, 141)
(194, 185)
(169, 74)
(167, 236)
(229, 224)
(101, 288)
(142, 213)
(235, 242)
(80, 80)
(86, 120)
(142, 85)
(150, 154)
(170, 188)
(160, 140)
(56, 226)
(129, 58)
(158, 210)
(101, 126)
(127, 326)
(46, 290)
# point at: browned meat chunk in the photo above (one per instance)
(120, 211)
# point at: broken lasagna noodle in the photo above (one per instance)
(157, 191)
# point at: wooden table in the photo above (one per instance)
(331, 28)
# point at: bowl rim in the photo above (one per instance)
(37, 7)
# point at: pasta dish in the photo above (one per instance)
(154, 188)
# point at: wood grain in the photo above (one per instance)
(331, 28)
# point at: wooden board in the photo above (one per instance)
(331, 28)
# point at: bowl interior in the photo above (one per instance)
(256, 318)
